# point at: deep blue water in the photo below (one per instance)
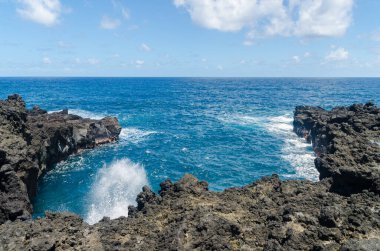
(228, 131)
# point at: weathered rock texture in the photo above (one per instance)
(32, 141)
(269, 214)
(346, 143)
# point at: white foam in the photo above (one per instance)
(240, 119)
(87, 114)
(116, 187)
(75, 163)
(295, 150)
(280, 124)
(184, 149)
(83, 113)
(134, 135)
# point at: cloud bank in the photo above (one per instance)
(303, 18)
(45, 12)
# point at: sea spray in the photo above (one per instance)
(115, 188)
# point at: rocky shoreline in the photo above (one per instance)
(340, 212)
(32, 141)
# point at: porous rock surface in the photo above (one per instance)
(32, 141)
(347, 143)
(269, 214)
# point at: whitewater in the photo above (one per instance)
(226, 131)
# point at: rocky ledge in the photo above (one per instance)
(346, 141)
(269, 214)
(32, 141)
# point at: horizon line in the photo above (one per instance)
(310, 77)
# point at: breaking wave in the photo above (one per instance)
(296, 151)
(116, 187)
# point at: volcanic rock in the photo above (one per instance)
(32, 141)
(335, 213)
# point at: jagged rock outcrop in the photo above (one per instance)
(269, 214)
(32, 141)
(346, 140)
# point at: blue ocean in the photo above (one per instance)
(227, 131)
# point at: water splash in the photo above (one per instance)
(115, 188)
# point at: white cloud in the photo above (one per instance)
(339, 54)
(108, 23)
(93, 61)
(307, 54)
(248, 42)
(117, 4)
(323, 17)
(46, 60)
(225, 15)
(220, 67)
(302, 18)
(139, 63)
(375, 36)
(145, 47)
(125, 13)
(296, 59)
(45, 12)
(63, 44)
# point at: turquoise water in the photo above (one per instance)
(228, 131)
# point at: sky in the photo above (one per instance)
(190, 38)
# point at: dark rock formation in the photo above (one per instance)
(32, 141)
(269, 214)
(345, 142)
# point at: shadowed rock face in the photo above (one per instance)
(346, 142)
(32, 141)
(269, 214)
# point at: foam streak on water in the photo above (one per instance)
(116, 187)
(134, 135)
(295, 150)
